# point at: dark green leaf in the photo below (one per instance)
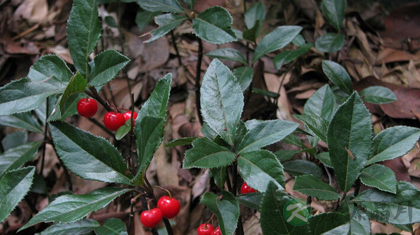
(221, 100)
(70, 208)
(324, 222)
(219, 175)
(266, 133)
(208, 132)
(122, 131)
(314, 187)
(226, 209)
(330, 42)
(161, 5)
(17, 156)
(83, 32)
(143, 18)
(258, 168)
(107, 65)
(378, 95)
(288, 56)
(324, 158)
(78, 227)
(393, 142)
(333, 10)
(254, 18)
(112, 226)
(190, 3)
(275, 213)
(24, 95)
(251, 200)
(241, 131)
(265, 93)
(88, 156)
(166, 23)
(400, 208)
(251, 34)
(380, 177)
(38, 185)
(322, 104)
(14, 139)
(349, 140)
(21, 120)
(299, 41)
(207, 154)
(180, 142)
(228, 54)
(302, 167)
(338, 75)
(292, 139)
(110, 21)
(13, 187)
(342, 229)
(70, 107)
(244, 76)
(316, 124)
(49, 66)
(284, 155)
(275, 40)
(214, 25)
(359, 221)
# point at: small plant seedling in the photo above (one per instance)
(87, 107)
(114, 120)
(205, 229)
(151, 218)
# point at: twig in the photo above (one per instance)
(94, 121)
(197, 80)
(176, 48)
(41, 171)
(94, 94)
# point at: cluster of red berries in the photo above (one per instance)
(87, 107)
(167, 207)
(208, 229)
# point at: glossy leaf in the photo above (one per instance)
(330, 42)
(302, 167)
(324, 222)
(78, 227)
(112, 226)
(244, 76)
(161, 5)
(322, 103)
(219, 176)
(258, 168)
(83, 32)
(14, 139)
(338, 75)
(288, 56)
(70, 208)
(226, 210)
(324, 158)
(266, 133)
(275, 40)
(221, 100)
(333, 10)
(359, 221)
(273, 220)
(214, 25)
(207, 154)
(228, 54)
(24, 95)
(378, 95)
(180, 142)
(21, 120)
(349, 140)
(89, 156)
(380, 177)
(251, 200)
(314, 187)
(316, 124)
(13, 187)
(49, 66)
(122, 131)
(393, 142)
(17, 156)
(107, 65)
(166, 23)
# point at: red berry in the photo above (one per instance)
(151, 218)
(127, 116)
(169, 206)
(217, 231)
(205, 229)
(246, 189)
(87, 107)
(113, 120)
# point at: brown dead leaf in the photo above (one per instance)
(166, 167)
(34, 11)
(201, 183)
(390, 55)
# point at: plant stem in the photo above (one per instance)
(41, 171)
(357, 188)
(94, 94)
(197, 80)
(176, 48)
(94, 121)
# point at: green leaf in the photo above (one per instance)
(49, 66)
(88, 156)
(251, 200)
(226, 210)
(70, 208)
(378, 95)
(214, 25)
(274, 213)
(393, 142)
(166, 23)
(228, 54)
(244, 76)
(17, 156)
(258, 168)
(289, 55)
(219, 176)
(13, 187)
(338, 75)
(330, 42)
(400, 208)
(190, 3)
(107, 65)
(299, 41)
(161, 5)
(302, 167)
(267, 93)
(221, 100)
(25, 95)
(380, 177)
(21, 120)
(349, 140)
(143, 18)
(342, 229)
(325, 222)
(78, 227)
(254, 18)
(83, 32)
(122, 131)
(208, 132)
(284, 155)
(316, 124)
(275, 40)
(333, 10)
(266, 133)
(314, 187)
(180, 142)
(292, 139)
(359, 221)
(324, 158)
(14, 139)
(70, 107)
(322, 104)
(110, 21)
(207, 154)
(112, 226)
